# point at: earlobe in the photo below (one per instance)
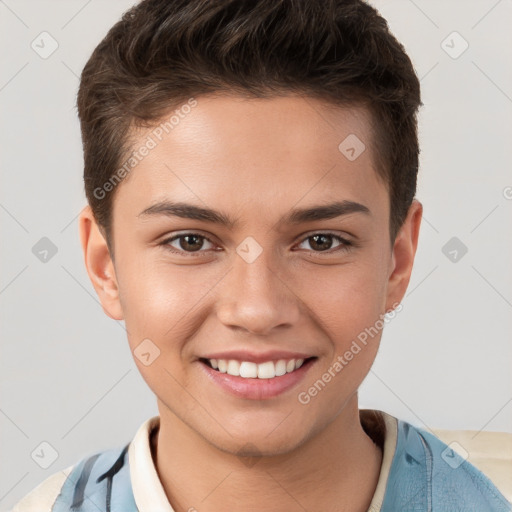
(404, 250)
(99, 264)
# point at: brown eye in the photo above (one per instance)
(321, 242)
(187, 243)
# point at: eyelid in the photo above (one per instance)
(343, 235)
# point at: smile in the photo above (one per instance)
(250, 370)
(256, 381)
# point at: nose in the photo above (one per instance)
(256, 297)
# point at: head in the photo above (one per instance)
(290, 128)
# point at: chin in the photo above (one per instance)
(253, 449)
(258, 442)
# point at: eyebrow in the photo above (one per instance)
(295, 216)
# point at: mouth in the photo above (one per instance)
(257, 371)
(256, 376)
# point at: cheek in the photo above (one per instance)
(348, 308)
(161, 301)
(346, 299)
(158, 306)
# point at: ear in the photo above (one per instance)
(404, 250)
(99, 264)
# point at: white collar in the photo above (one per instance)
(147, 489)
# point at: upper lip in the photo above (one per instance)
(257, 357)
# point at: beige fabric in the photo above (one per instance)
(387, 457)
(490, 452)
(41, 498)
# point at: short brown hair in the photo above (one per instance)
(163, 52)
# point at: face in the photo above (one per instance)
(248, 234)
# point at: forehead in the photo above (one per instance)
(238, 152)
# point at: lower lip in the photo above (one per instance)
(257, 389)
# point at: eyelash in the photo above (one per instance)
(345, 244)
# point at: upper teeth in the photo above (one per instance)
(248, 370)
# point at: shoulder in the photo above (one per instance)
(42, 497)
(454, 477)
(69, 486)
(427, 473)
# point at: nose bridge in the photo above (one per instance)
(255, 296)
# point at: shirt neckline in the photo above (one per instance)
(388, 452)
(149, 493)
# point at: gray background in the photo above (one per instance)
(67, 375)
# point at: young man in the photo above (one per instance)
(250, 169)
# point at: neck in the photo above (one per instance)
(336, 469)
